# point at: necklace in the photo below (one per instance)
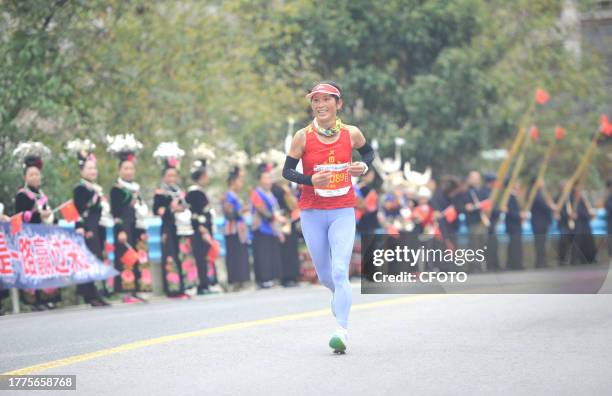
(133, 187)
(173, 191)
(37, 196)
(328, 132)
(93, 186)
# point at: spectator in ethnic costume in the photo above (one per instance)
(34, 206)
(201, 217)
(492, 256)
(584, 250)
(286, 195)
(514, 225)
(130, 232)
(287, 199)
(267, 232)
(473, 198)
(90, 202)
(178, 265)
(447, 202)
(541, 217)
(566, 224)
(235, 231)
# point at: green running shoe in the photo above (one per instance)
(338, 341)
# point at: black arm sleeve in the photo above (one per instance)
(161, 201)
(195, 201)
(367, 154)
(80, 197)
(117, 204)
(291, 174)
(23, 203)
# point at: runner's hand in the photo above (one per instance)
(357, 169)
(321, 179)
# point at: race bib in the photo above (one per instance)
(340, 182)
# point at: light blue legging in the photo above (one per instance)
(330, 235)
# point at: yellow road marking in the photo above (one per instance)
(204, 332)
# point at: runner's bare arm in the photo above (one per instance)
(357, 138)
(297, 145)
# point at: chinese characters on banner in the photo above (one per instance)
(41, 256)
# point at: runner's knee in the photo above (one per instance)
(339, 274)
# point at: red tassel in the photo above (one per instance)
(533, 132)
(541, 96)
(559, 133)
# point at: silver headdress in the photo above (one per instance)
(31, 154)
(202, 154)
(83, 149)
(239, 158)
(169, 154)
(80, 145)
(272, 160)
(123, 144)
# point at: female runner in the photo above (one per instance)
(328, 201)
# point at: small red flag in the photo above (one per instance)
(533, 132)
(605, 126)
(358, 214)
(130, 257)
(541, 96)
(372, 201)
(450, 214)
(418, 213)
(559, 133)
(16, 223)
(109, 247)
(485, 205)
(69, 211)
(214, 250)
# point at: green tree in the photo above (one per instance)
(41, 78)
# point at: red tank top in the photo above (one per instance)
(336, 157)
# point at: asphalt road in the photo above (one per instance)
(275, 342)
